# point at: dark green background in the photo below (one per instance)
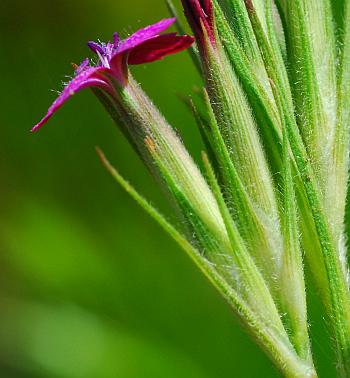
(90, 286)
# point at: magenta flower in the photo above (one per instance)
(200, 16)
(144, 46)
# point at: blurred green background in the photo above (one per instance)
(89, 285)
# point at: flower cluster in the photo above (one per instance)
(275, 123)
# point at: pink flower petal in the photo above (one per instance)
(119, 68)
(145, 34)
(159, 47)
(86, 77)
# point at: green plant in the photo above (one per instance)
(274, 115)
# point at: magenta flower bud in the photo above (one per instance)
(200, 16)
(144, 46)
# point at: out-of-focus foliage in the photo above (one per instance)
(89, 285)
